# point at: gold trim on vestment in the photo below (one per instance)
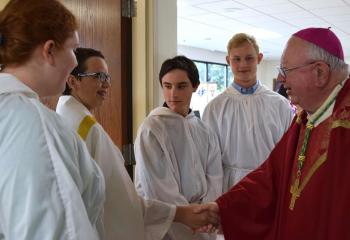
(341, 123)
(85, 125)
(298, 120)
(313, 169)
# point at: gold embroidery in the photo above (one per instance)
(295, 191)
(338, 119)
(341, 123)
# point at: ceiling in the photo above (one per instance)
(209, 24)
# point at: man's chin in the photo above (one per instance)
(293, 101)
(246, 81)
(174, 109)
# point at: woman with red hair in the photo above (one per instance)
(49, 186)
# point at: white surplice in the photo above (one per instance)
(50, 188)
(248, 128)
(126, 215)
(178, 161)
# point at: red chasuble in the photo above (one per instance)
(259, 206)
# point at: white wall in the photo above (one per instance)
(266, 69)
(165, 35)
(202, 54)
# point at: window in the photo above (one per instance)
(229, 76)
(214, 79)
(202, 69)
(217, 74)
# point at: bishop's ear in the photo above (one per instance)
(323, 73)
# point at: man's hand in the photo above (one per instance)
(201, 217)
(213, 209)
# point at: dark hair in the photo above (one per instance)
(82, 54)
(24, 25)
(183, 63)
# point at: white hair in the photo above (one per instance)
(335, 64)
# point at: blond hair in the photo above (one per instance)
(241, 38)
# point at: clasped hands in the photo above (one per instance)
(199, 217)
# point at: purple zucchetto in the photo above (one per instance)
(323, 38)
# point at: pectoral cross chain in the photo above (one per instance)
(295, 191)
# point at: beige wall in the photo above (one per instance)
(140, 87)
(3, 3)
(154, 40)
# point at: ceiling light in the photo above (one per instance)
(232, 9)
(262, 33)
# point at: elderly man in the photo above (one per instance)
(301, 191)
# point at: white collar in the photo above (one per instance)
(329, 111)
(11, 84)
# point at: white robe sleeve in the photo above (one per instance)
(214, 171)
(210, 118)
(158, 217)
(89, 172)
(45, 184)
(123, 205)
(154, 174)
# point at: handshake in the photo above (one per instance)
(199, 217)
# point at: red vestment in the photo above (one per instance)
(258, 206)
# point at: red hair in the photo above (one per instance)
(24, 25)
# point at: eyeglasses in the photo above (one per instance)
(101, 76)
(283, 71)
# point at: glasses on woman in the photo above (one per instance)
(100, 76)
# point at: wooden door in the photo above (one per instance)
(102, 27)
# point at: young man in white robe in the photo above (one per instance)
(126, 215)
(248, 118)
(178, 158)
